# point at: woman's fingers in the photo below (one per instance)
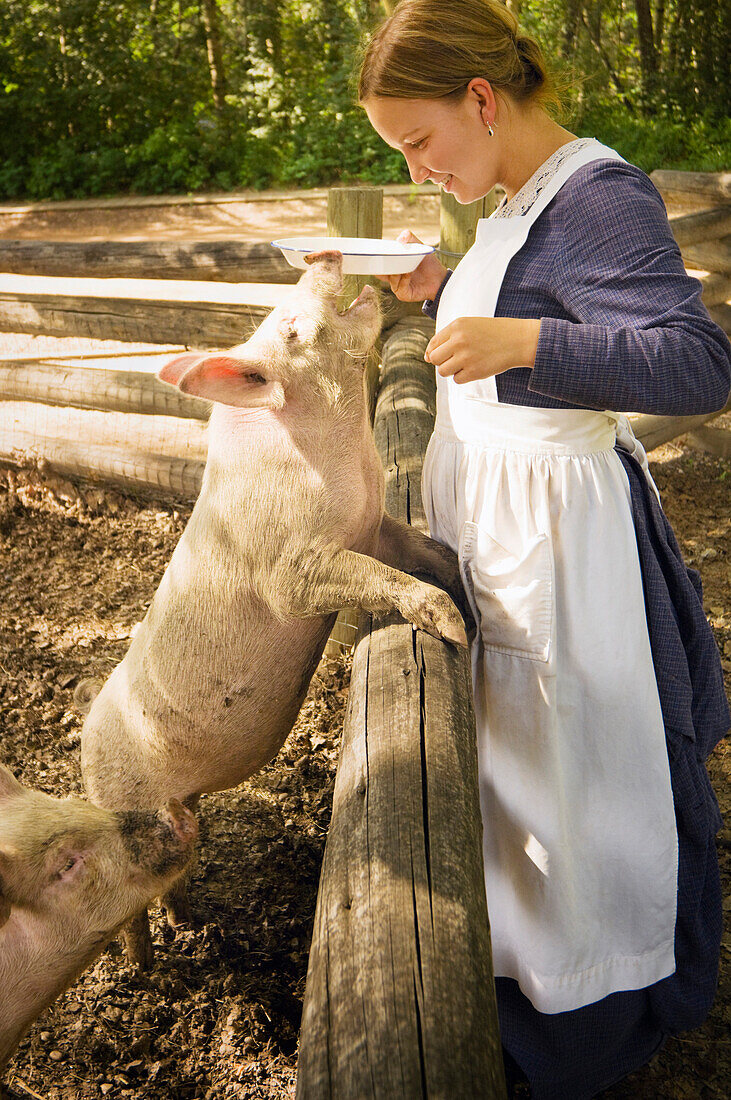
(407, 237)
(434, 349)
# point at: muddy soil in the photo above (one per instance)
(218, 1016)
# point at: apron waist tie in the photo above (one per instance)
(521, 428)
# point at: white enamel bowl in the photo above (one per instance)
(361, 255)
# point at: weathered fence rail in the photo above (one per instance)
(124, 310)
(201, 314)
(400, 994)
(705, 187)
(220, 261)
(125, 391)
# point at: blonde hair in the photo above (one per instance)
(432, 49)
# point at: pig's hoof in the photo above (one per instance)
(438, 616)
(454, 632)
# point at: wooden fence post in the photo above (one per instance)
(400, 999)
(354, 212)
(457, 225)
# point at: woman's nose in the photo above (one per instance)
(417, 171)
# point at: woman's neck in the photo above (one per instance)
(529, 137)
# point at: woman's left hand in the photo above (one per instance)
(480, 347)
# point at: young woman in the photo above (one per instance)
(598, 687)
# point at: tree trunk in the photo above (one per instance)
(648, 55)
(606, 60)
(659, 28)
(209, 14)
(680, 59)
(573, 18)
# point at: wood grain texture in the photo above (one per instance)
(714, 441)
(144, 320)
(721, 314)
(712, 255)
(107, 464)
(400, 996)
(707, 185)
(85, 388)
(219, 261)
(653, 431)
(458, 225)
(703, 226)
(140, 433)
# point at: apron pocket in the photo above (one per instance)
(512, 596)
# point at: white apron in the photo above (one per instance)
(580, 843)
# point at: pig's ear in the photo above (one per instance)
(173, 371)
(9, 785)
(232, 382)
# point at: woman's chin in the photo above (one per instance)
(465, 197)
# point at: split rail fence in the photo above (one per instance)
(400, 997)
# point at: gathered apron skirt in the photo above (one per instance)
(582, 1052)
(580, 845)
(581, 826)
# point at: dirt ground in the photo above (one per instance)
(218, 1016)
(256, 217)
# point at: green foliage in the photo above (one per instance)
(107, 96)
(702, 146)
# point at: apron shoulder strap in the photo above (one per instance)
(592, 151)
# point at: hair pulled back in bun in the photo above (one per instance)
(432, 49)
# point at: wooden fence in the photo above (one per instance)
(400, 999)
(400, 996)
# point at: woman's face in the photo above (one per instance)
(444, 141)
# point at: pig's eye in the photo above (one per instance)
(253, 376)
(292, 334)
(67, 867)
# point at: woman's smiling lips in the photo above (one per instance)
(444, 182)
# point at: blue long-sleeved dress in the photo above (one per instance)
(623, 327)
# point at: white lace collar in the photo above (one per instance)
(522, 201)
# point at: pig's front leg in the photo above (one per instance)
(406, 548)
(138, 941)
(322, 582)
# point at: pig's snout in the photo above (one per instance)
(160, 843)
(327, 258)
(326, 272)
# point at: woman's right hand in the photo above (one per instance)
(424, 281)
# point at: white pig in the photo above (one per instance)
(289, 528)
(71, 874)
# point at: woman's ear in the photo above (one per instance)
(483, 97)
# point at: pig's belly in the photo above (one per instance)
(161, 729)
(251, 720)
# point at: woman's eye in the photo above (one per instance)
(418, 144)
